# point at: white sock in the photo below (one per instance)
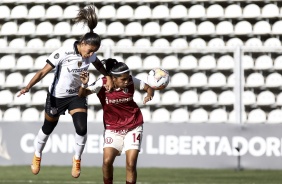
(40, 142)
(79, 145)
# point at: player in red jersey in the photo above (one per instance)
(123, 120)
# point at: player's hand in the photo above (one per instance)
(84, 77)
(23, 91)
(147, 99)
(109, 84)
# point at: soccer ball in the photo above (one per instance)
(158, 78)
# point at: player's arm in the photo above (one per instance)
(99, 66)
(150, 93)
(36, 78)
(83, 90)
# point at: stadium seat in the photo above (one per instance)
(12, 114)
(226, 98)
(36, 12)
(7, 62)
(3, 43)
(107, 42)
(197, 43)
(151, 61)
(101, 28)
(277, 65)
(124, 12)
(215, 11)
(7, 97)
(14, 79)
(44, 28)
(2, 78)
(218, 116)
(107, 12)
(178, 11)
(256, 116)
(156, 99)
(143, 12)
(224, 28)
(207, 62)
(233, 11)
(99, 116)
(53, 43)
(265, 98)
(138, 98)
(24, 62)
(263, 62)
(124, 43)
(248, 62)
(251, 11)
(225, 62)
(39, 97)
(196, 11)
(169, 29)
(274, 116)
(19, 12)
(151, 28)
(273, 80)
(272, 42)
(179, 115)
(17, 43)
(253, 42)
(160, 12)
(189, 98)
(243, 28)
(179, 43)
(170, 97)
(22, 100)
(5, 12)
(208, 98)
(277, 27)
(35, 43)
(170, 62)
(198, 79)
(93, 100)
(216, 43)
(279, 99)
(255, 80)
(133, 29)
(30, 115)
(160, 115)
(160, 43)
(134, 62)
(206, 28)
(54, 12)
(234, 42)
(47, 80)
(40, 62)
(142, 76)
(68, 41)
(115, 29)
(270, 11)
(199, 116)
(79, 29)
(70, 11)
(67, 118)
(232, 117)
(249, 98)
(217, 80)
(9, 28)
(62, 28)
(90, 115)
(188, 62)
(142, 43)
(188, 28)
(262, 27)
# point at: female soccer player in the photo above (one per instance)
(68, 62)
(123, 120)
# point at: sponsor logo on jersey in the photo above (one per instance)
(119, 100)
(69, 53)
(108, 140)
(56, 56)
(71, 91)
(79, 63)
(76, 70)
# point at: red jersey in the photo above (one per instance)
(120, 110)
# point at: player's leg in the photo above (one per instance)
(132, 146)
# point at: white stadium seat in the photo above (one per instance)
(24, 62)
(160, 12)
(255, 80)
(197, 43)
(44, 28)
(225, 62)
(178, 11)
(224, 28)
(273, 80)
(207, 62)
(206, 28)
(151, 28)
(143, 12)
(272, 42)
(226, 98)
(53, 43)
(115, 28)
(9, 28)
(217, 80)
(243, 28)
(146, 114)
(7, 97)
(233, 11)
(35, 43)
(234, 42)
(188, 62)
(218, 116)
(274, 116)
(107, 12)
(262, 27)
(19, 11)
(270, 11)
(39, 97)
(134, 62)
(160, 115)
(265, 98)
(36, 12)
(199, 116)
(215, 11)
(198, 79)
(62, 28)
(248, 62)
(70, 11)
(54, 12)
(179, 115)
(189, 98)
(14, 79)
(263, 62)
(277, 27)
(170, 62)
(232, 117)
(197, 11)
(208, 98)
(169, 28)
(253, 42)
(256, 116)
(249, 98)
(30, 114)
(278, 63)
(216, 43)
(179, 43)
(22, 100)
(188, 28)
(5, 12)
(170, 97)
(124, 12)
(133, 29)
(151, 61)
(160, 43)
(12, 114)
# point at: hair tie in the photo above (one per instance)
(120, 72)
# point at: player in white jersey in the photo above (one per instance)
(123, 120)
(68, 62)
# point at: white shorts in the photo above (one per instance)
(124, 140)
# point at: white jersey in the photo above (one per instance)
(68, 65)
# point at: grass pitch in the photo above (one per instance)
(93, 175)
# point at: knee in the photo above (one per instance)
(80, 123)
(130, 166)
(49, 126)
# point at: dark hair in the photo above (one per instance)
(88, 17)
(115, 68)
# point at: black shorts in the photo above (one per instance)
(55, 107)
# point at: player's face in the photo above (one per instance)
(87, 50)
(122, 81)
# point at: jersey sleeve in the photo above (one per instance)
(138, 84)
(56, 57)
(96, 86)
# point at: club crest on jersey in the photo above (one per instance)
(79, 63)
(56, 56)
(125, 90)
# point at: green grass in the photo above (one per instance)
(93, 175)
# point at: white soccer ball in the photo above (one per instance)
(158, 78)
